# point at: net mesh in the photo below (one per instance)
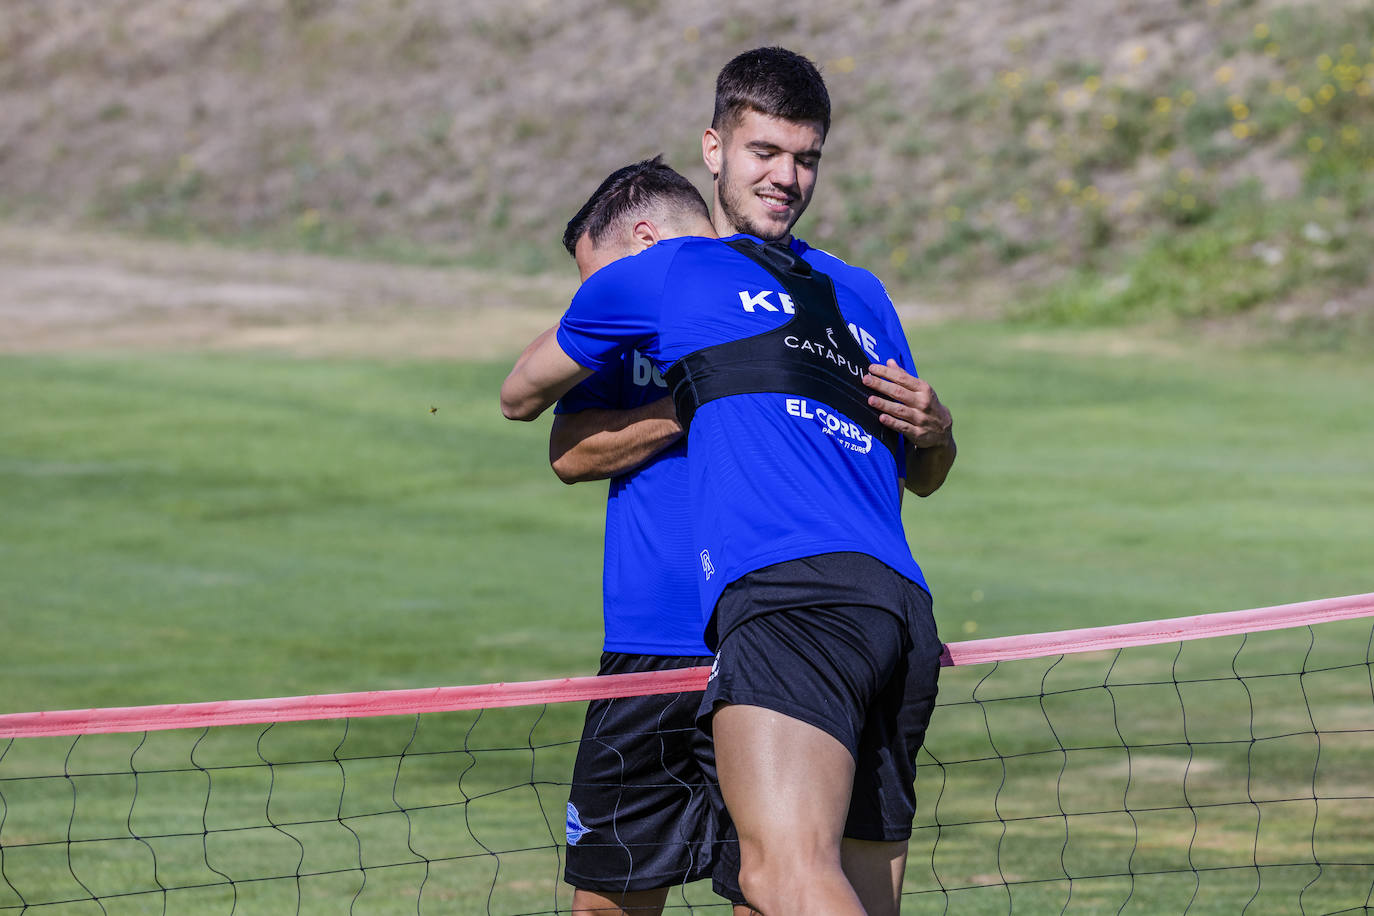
(436, 812)
(1225, 776)
(1221, 775)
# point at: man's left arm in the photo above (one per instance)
(910, 406)
(542, 374)
(594, 444)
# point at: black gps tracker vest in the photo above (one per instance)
(812, 356)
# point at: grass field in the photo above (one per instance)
(183, 527)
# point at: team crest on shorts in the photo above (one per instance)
(575, 829)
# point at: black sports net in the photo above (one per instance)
(1226, 775)
(1217, 776)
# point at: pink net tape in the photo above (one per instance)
(575, 689)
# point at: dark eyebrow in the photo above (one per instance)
(766, 147)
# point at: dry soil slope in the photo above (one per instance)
(477, 127)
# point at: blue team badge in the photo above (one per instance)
(575, 829)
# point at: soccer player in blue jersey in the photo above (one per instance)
(827, 652)
(643, 810)
(762, 150)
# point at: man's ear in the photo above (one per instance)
(712, 147)
(644, 234)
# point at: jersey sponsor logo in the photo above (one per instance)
(866, 340)
(575, 828)
(645, 373)
(706, 566)
(752, 301)
(819, 350)
(850, 435)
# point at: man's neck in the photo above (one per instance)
(702, 229)
(722, 225)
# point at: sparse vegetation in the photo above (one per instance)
(1059, 155)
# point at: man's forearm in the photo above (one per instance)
(927, 468)
(596, 444)
(542, 374)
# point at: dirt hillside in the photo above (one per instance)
(1017, 139)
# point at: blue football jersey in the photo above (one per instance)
(771, 477)
(649, 602)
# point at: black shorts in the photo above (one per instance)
(842, 642)
(644, 810)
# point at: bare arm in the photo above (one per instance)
(909, 405)
(542, 374)
(927, 468)
(595, 444)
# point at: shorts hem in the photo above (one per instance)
(735, 897)
(832, 727)
(612, 886)
(884, 834)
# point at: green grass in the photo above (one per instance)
(181, 528)
(186, 528)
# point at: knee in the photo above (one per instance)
(770, 882)
(759, 886)
(758, 878)
(751, 886)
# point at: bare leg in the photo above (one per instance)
(787, 785)
(876, 871)
(631, 903)
(634, 903)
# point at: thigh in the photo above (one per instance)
(823, 666)
(785, 782)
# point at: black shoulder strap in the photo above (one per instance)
(812, 356)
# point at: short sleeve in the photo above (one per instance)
(872, 290)
(904, 357)
(616, 309)
(892, 325)
(602, 390)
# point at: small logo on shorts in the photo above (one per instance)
(706, 566)
(575, 829)
(715, 669)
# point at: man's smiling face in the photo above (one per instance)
(765, 171)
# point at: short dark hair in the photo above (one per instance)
(632, 190)
(772, 81)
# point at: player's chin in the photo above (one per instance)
(771, 226)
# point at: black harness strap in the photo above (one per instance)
(812, 356)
